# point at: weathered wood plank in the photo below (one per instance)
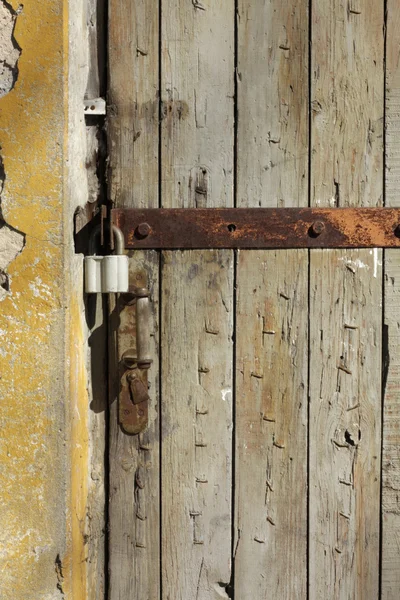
(271, 369)
(132, 125)
(134, 496)
(271, 424)
(96, 318)
(272, 129)
(197, 103)
(345, 359)
(197, 290)
(391, 414)
(196, 392)
(346, 299)
(96, 27)
(97, 342)
(133, 114)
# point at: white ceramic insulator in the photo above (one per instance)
(115, 274)
(93, 274)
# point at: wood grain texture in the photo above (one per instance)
(197, 319)
(272, 129)
(271, 364)
(197, 291)
(271, 424)
(391, 413)
(346, 300)
(134, 498)
(133, 96)
(96, 539)
(132, 126)
(96, 28)
(197, 103)
(345, 404)
(96, 318)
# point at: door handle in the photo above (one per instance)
(135, 315)
(144, 359)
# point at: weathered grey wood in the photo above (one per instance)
(391, 414)
(345, 404)
(271, 368)
(271, 424)
(197, 103)
(96, 318)
(134, 496)
(272, 136)
(391, 434)
(97, 342)
(197, 331)
(133, 114)
(132, 124)
(346, 300)
(197, 291)
(96, 27)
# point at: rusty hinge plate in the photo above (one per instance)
(269, 228)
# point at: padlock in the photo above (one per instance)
(107, 274)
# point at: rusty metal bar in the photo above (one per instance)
(269, 228)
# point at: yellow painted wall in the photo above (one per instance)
(43, 396)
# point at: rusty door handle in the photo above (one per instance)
(143, 358)
(135, 362)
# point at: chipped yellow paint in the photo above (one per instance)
(75, 559)
(43, 399)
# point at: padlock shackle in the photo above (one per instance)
(92, 240)
(119, 240)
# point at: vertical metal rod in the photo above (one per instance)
(144, 359)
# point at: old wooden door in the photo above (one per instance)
(270, 468)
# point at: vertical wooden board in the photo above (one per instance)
(271, 425)
(196, 424)
(271, 369)
(133, 98)
(346, 304)
(391, 413)
(347, 103)
(96, 319)
(98, 394)
(272, 103)
(134, 494)
(197, 288)
(391, 433)
(133, 139)
(197, 103)
(96, 28)
(345, 378)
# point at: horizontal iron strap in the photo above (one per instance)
(269, 228)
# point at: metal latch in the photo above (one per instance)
(107, 274)
(110, 274)
(134, 323)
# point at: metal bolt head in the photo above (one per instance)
(317, 228)
(143, 230)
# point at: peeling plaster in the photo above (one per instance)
(11, 241)
(35, 421)
(9, 48)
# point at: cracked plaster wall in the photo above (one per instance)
(43, 337)
(11, 241)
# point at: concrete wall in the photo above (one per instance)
(44, 440)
